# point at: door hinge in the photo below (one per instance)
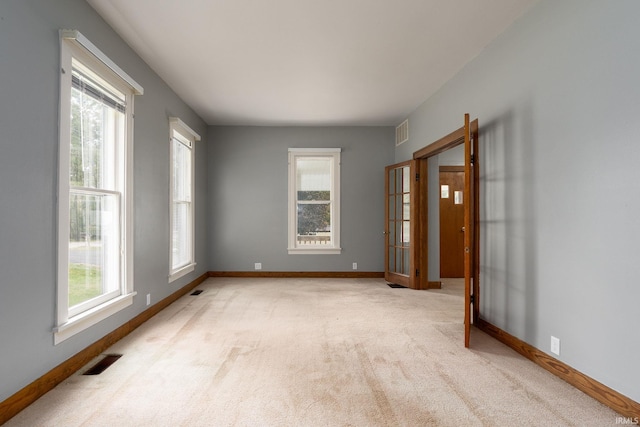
(417, 177)
(417, 272)
(473, 159)
(472, 299)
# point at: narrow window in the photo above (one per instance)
(95, 251)
(314, 201)
(182, 146)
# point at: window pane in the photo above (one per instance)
(406, 210)
(94, 262)
(313, 174)
(406, 236)
(392, 180)
(181, 227)
(406, 263)
(181, 172)
(399, 268)
(314, 195)
(96, 129)
(314, 220)
(392, 259)
(406, 179)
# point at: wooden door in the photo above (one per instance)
(400, 230)
(452, 197)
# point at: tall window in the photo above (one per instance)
(94, 195)
(314, 200)
(182, 140)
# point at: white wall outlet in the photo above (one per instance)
(148, 299)
(355, 265)
(258, 266)
(555, 345)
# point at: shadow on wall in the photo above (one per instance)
(508, 263)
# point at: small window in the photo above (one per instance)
(182, 146)
(314, 201)
(95, 240)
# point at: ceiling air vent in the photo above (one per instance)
(402, 132)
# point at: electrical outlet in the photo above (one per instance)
(355, 265)
(555, 345)
(148, 299)
(258, 266)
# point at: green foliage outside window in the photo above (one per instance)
(314, 218)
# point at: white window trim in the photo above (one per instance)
(334, 248)
(177, 125)
(74, 45)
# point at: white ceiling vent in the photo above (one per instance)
(402, 132)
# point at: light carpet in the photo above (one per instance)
(313, 352)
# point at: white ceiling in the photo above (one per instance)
(307, 62)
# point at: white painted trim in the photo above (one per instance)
(179, 125)
(334, 154)
(182, 272)
(314, 251)
(91, 317)
(307, 151)
(185, 132)
(77, 37)
(64, 127)
(74, 47)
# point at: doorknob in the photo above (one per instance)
(462, 229)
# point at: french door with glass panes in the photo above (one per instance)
(400, 223)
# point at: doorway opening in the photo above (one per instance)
(412, 196)
(430, 195)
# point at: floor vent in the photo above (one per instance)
(99, 367)
(198, 292)
(393, 285)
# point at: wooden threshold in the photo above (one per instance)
(600, 392)
(301, 274)
(32, 392)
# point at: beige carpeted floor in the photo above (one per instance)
(314, 352)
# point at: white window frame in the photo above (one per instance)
(74, 46)
(179, 131)
(334, 155)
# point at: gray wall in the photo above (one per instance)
(558, 102)
(248, 196)
(29, 85)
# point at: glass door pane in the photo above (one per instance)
(399, 216)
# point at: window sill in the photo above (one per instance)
(90, 317)
(175, 275)
(315, 251)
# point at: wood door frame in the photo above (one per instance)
(443, 144)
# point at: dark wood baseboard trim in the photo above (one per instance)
(434, 285)
(301, 274)
(603, 394)
(32, 392)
